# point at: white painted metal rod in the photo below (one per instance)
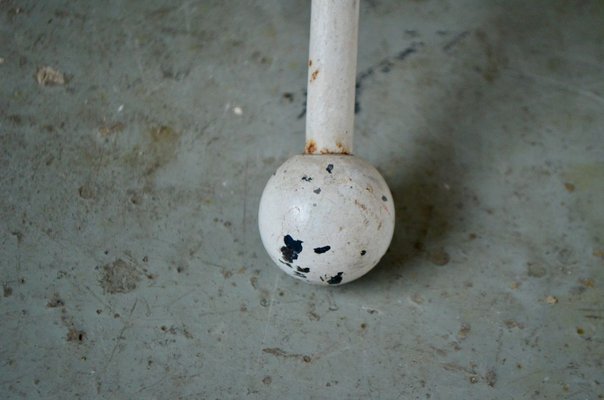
(331, 76)
(328, 219)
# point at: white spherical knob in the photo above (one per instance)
(326, 219)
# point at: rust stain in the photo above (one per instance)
(314, 75)
(327, 151)
(341, 148)
(311, 147)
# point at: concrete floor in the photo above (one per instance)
(131, 262)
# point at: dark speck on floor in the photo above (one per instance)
(55, 301)
(491, 378)
(75, 335)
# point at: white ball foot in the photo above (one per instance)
(326, 219)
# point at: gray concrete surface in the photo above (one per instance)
(130, 260)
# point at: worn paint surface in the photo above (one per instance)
(338, 208)
(131, 266)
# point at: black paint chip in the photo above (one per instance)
(288, 254)
(321, 250)
(305, 270)
(317, 190)
(291, 249)
(363, 252)
(306, 178)
(296, 245)
(301, 275)
(329, 168)
(334, 280)
(384, 198)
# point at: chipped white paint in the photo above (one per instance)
(329, 218)
(326, 219)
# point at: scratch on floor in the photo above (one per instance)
(269, 313)
(278, 352)
(163, 378)
(371, 310)
(100, 300)
(336, 352)
(554, 83)
(120, 337)
(244, 218)
(182, 296)
(455, 41)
